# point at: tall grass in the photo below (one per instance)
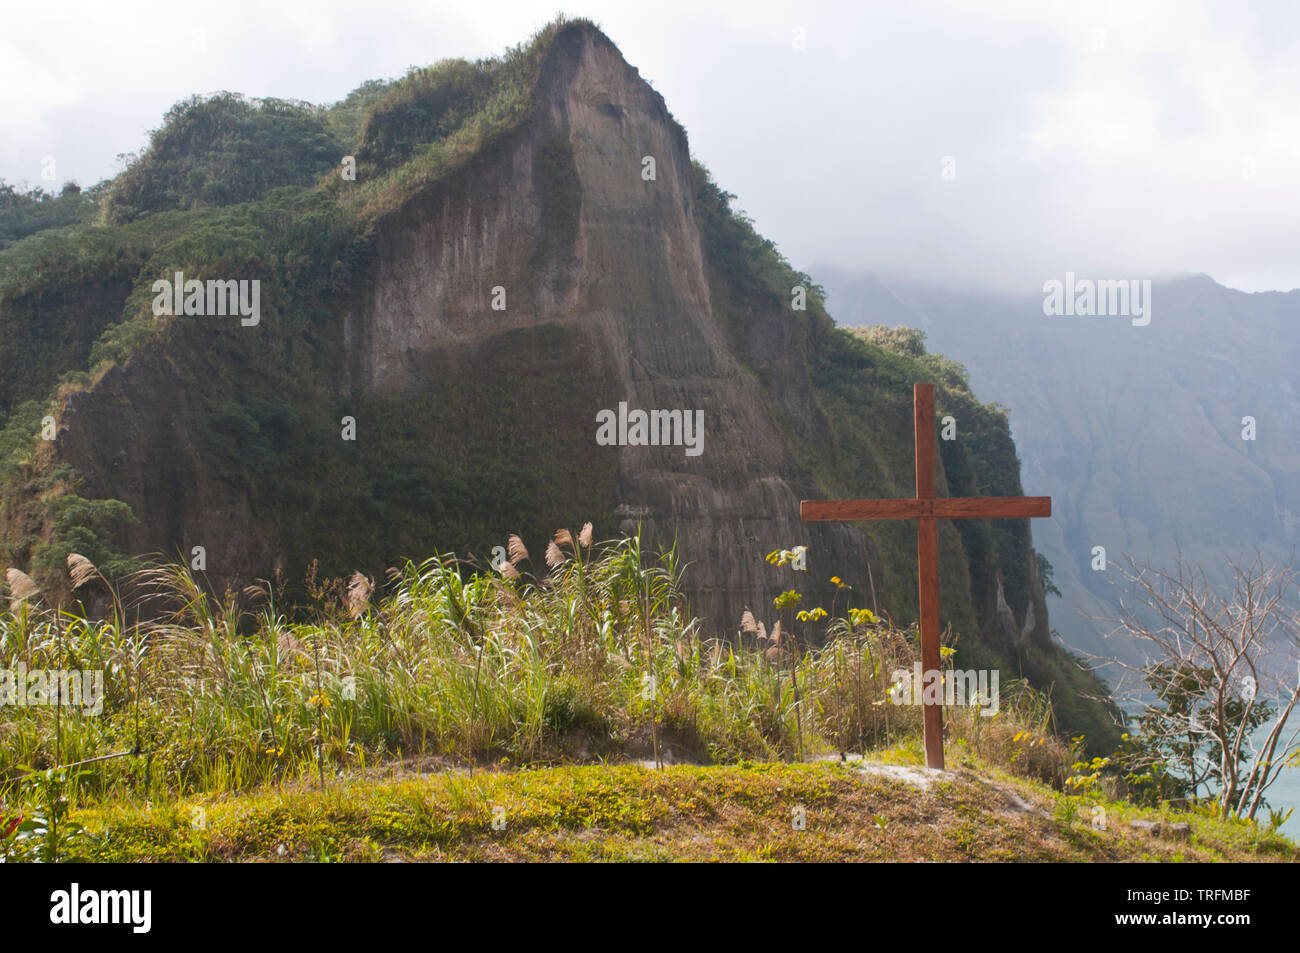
(590, 654)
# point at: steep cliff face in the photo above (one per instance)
(474, 421)
(611, 265)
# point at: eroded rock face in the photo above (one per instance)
(564, 221)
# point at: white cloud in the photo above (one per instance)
(1108, 137)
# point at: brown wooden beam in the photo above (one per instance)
(992, 507)
(811, 510)
(945, 507)
(927, 565)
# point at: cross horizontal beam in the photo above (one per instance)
(944, 507)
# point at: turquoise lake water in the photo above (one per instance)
(1283, 793)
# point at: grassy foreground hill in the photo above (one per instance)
(860, 811)
(517, 712)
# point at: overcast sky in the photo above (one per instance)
(1122, 139)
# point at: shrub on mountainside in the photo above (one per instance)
(222, 150)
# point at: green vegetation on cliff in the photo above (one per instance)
(222, 150)
(36, 210)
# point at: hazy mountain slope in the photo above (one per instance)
(1136, 432)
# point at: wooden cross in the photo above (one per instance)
(926, 509)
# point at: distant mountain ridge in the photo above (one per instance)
(1136, 432)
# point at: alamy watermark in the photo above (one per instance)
(39, 687)
(133, 908)
(965, 687)
(1102, 297)
(655, 428)
(213, 297)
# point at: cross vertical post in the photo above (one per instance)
(927, 567)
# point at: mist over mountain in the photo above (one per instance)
(1135, 431)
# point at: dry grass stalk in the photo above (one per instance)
(553, 555)
(357, 598)
(81, 569)
(21, 588)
